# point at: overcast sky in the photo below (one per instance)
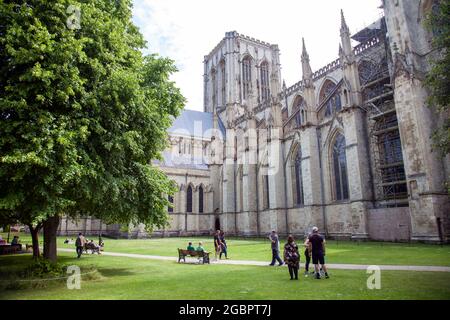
(187, 30)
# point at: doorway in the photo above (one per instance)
(217, 223)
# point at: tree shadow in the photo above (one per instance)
(115, 272)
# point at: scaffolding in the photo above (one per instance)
(384, 137)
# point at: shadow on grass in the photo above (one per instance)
(115, 272)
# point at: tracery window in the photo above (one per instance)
(265, 84)
(214, 87)
(223, 83)
(339, 162)
(266, 192)
(391, 158)
(331, 96)
(189, 199)
(200, 199)
(246, 76)
(299, 104)
(298, 176)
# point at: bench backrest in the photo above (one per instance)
(191, 253)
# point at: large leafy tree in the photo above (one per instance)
(83, 113)
(438, 79)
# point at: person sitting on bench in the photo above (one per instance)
(200, 247)
(190, 247)
(15, 240)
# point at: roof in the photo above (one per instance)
(370, 31)
(195, 124)
(174, 160)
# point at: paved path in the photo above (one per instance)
(260, 263)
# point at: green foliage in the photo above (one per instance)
(438, 79)
(42, 268)
(42, 274)
(83, 113)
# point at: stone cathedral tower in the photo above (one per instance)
(241, 86)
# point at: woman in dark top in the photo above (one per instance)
(292, 257)
(223, 245)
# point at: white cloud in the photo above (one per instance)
(188, 30)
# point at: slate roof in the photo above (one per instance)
(174, 160)
(195, 124)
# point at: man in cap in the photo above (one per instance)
(275, 245)
(317, 251)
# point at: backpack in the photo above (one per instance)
(78, 242)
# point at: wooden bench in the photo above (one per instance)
(92, 247)
(10, 248)
(201, 254)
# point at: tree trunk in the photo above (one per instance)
(50, 230)
(35, 240)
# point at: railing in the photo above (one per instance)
(358, 50)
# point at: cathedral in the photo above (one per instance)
(347, 148)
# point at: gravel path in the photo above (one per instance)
(260, 263)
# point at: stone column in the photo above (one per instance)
(358, 171)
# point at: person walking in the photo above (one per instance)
(79, 243)
(223, 245)
(317, 251)
(307, 256)
(275, 246)
(292, 257)
(217, 245)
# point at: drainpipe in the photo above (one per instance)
(235, 201)
(258, 232)
(324, 215)
(285, 190)
(185, 211)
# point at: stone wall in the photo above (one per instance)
(389, 224)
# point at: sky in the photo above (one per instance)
(187, 30)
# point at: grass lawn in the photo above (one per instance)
(378, 253)
(126, 278)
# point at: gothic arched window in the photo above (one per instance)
(299, 104)
(265, 85)
(298, 176)
(246, 76)
(189, 199)
(339, 161)
(170, 199)
(200, 199)
(266, 192)
(214, 87)
(333, 99)
(223, 83)
(327, 88)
